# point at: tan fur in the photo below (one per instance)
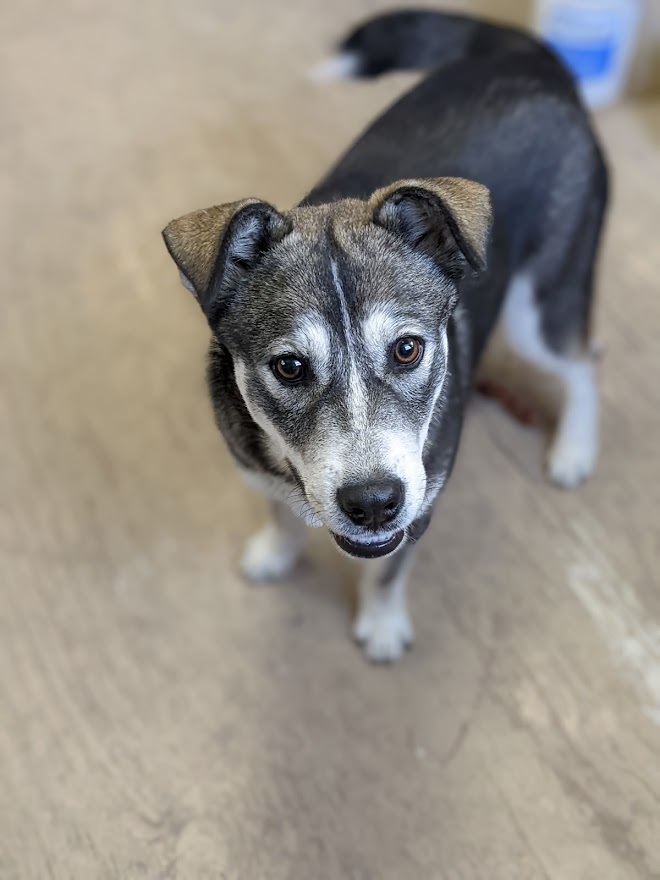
(194, 239)
(468, 202)
(310, 220)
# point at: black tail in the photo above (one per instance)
(423, 39)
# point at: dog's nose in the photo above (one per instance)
(373, 504)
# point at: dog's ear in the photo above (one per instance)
(215, 247)
(447, 218)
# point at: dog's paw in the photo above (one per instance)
(268, 556)
(383, 633)
(571, 462)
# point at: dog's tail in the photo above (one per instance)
(417, 40)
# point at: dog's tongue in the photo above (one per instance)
(368, 551)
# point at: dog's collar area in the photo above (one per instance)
(369, 550)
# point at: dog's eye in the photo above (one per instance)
(407, 351)
(289, 368)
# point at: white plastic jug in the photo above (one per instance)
(595, 38)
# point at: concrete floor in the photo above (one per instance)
(159, 718)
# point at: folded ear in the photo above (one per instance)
(215, 247)
(447, 218)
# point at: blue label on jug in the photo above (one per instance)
(585, 62)
(586, 39)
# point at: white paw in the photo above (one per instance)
(571, 463)
(269, 555)
(384, 633)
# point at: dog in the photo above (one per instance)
(346, 331)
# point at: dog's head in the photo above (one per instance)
(335, 317)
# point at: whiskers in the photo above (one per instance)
(302, 506)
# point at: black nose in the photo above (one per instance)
(371, 504)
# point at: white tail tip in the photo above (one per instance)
(342, 66)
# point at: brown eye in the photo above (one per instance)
(289, 369)
(408, 351)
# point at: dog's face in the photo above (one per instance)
(335, 319)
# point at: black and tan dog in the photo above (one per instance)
(346, 330)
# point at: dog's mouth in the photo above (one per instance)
(368, 549)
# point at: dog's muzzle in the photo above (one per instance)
(371, 506)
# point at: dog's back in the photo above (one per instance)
(497, 107)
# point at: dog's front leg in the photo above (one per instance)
(382, 625)
(274, 551)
